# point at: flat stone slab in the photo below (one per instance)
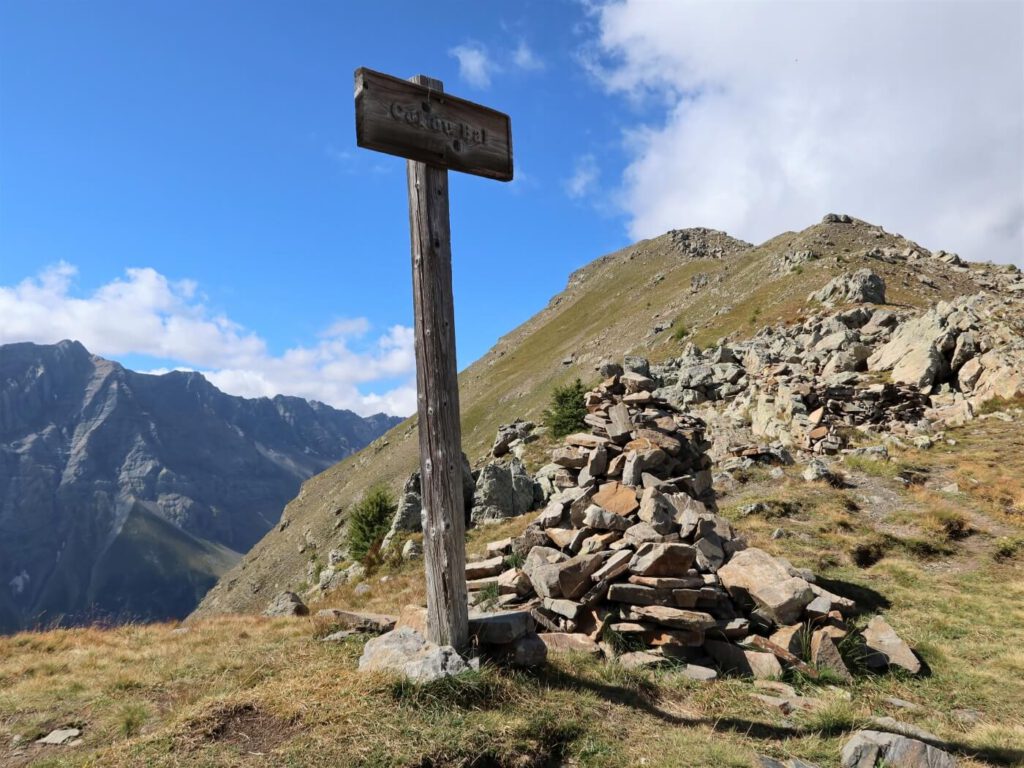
(617, 498)
(484, 568)
(641, 660)
(570, 642)
(698, 672)
(357, 622)
(887, 648)
(734, 658)
(662, 560)
(60, 737)
(675, 618)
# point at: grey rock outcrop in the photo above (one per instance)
(867, 749)
(286, 604)
(409, 514)
(510, 435)
(860, 286)
(503, 490)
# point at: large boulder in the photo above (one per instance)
(753, 573)
(526, 493)
(503, 490)
(408, 653)
(286, 604)
(917, 351)
(494, 495)
(860, 286)
(409, 515)
(1000, 373)
(921, 367)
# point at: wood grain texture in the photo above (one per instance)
(418, 122)
(444, 534)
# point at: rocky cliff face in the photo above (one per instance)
(126, 495)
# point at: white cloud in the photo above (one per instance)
(583, 178)
(475, 66)
(909, 115)
(145, 313)
(524, 58)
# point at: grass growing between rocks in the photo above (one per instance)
(265, 692)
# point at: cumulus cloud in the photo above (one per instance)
(583, 178)
(145, 313)
(475, 66)
(908, 115)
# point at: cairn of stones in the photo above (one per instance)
(630, 559)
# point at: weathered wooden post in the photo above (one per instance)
(417, 120)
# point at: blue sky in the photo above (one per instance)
(209, 149)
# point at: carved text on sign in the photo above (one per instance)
(464, 132)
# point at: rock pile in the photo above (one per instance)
(806, 385)
(630, 554)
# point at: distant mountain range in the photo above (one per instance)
(125, 496)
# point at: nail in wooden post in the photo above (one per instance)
(444, 528)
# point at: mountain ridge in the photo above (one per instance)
(695, 285)
(88, 446)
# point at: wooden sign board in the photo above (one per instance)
(414, 121)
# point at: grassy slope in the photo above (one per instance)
(607, 310)
(242, 690)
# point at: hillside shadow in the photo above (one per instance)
(643, 698)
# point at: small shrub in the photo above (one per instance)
(487, 598)
(515, 560)
(680, 332)
(369, 522)
(318, 568)
(924, 549)
(852, 648)
(131, 718)
(622, 643)
(1007, 547)
(952, 524)
(567, 410)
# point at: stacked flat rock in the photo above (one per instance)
(630, 553)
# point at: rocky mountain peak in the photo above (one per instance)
(127, 494)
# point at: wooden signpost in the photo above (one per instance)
(415, 119)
